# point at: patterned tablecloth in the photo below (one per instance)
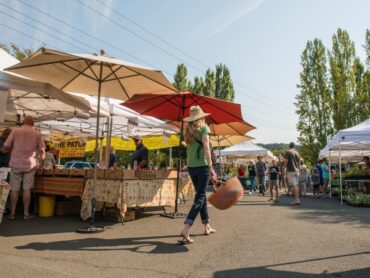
(66, 186)
(134, 193)
(4, 193)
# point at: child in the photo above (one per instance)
(274, 173)
(316, 181)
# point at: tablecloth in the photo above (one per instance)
(4, 193)
(133, 193)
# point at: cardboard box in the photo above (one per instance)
(129, 174)
(77, 172)
(68, 206)
(114, 174)
(61, 172)
(112, 214)
(166, 174)
(145, 174)
(100, 173)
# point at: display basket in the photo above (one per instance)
(227, 195)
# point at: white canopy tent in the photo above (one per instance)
(21, 96)
(246, 150)
(349, 144)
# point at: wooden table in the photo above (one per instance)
(66, 186)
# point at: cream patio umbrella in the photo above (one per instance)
(220, 141)
(93, 75)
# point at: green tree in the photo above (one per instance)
(224, 85)
(209, 84)
(313, 102)
(198, 85)
(181, 80)
(342, 79)
(16, 51)
(367, 46)
(360, 106)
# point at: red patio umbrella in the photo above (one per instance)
(177, 107)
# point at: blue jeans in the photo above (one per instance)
(199, 177)
(252, 179)
(261, 182)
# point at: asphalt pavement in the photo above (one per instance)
(255, 238)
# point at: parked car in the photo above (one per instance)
(78, 164)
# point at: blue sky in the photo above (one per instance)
(259, 40)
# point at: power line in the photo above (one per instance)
(164, 41)
(51, 35)
(82, 42)
(85, 33)
(27, 35)
(51, 28)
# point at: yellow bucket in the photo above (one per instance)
(46, 206)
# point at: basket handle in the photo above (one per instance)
(215, 183)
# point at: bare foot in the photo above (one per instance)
(209, 231)
(186, 238)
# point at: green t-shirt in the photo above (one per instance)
(293, 161)
(194, 149)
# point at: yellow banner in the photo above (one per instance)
(71, 149)
(154, 142)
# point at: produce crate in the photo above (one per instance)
(166, 174)
(66, 207)
(77, 172)
(61, 172)
(145, 174)
(129, 174)
(100, 173)
(114, 174)
(48, 172)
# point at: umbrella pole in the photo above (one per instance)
(93, 228)
(176, 214)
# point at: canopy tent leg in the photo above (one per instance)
(340, 175)
(330, 176)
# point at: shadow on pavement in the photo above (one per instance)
(149, 245)
(265, 271)
(329, 211)
(39, 225)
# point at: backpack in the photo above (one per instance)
(316, 175)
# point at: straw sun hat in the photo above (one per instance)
(196, 113)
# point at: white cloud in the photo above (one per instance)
(220, 22)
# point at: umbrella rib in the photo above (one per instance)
(80, 73)
(109, 75)
(151, 79)
(41, 64)
(119, 82)
(89, 66)
(165, 100)
(119, 78)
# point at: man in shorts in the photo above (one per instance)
(274, 173)
(292, 163)
(25, 144)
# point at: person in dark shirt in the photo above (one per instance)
(4, 157)
(274, 173)
(252, 176)
(112, 158)
(141, 154)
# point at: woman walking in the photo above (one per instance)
(200, 169)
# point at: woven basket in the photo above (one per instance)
(227, 195)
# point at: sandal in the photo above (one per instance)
(28, 217)
(12, 217)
